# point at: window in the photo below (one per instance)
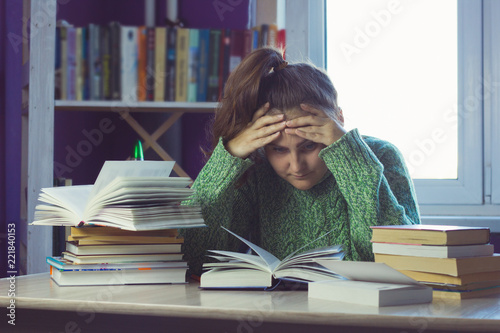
(423, 75)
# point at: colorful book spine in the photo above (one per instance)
(160, 63)
(150, 64)
(182, 65)
(193, 64)
(106, 62)
(57, 65)
(129, 55)
(78, 66)
(71, 72)
(142, 63)
(224, 59)
(85, 64)
(171, 74)
(95, 62)
(115, 39)
(213, 63)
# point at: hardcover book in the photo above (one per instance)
(431, 234)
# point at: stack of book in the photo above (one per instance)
(139, 63)
(106, 256)
(123, 226)
(457, 262)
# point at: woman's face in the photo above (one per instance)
(295, 159)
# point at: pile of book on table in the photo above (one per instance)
(124, 227)
(107, 256)
(457, 262)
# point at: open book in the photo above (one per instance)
(131, 195)
(262, 269)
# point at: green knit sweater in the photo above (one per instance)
(368, 184)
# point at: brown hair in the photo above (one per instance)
(264, 76)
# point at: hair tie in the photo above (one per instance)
(281, 66)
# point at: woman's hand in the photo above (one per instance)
(263, 129)
(317, 127)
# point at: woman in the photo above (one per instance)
(283, 171)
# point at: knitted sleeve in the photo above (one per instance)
(222, 203)
(376, 186)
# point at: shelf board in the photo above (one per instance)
(149, 106)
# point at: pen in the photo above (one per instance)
(138, 153)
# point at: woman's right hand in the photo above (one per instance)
(262, 130)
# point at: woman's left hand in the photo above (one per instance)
(317, 127)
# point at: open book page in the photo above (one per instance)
(271, 261)
(72, 198)
(112, 169)
(227, 260)
(367, 271)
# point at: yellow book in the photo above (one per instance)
(160, 62)
(181, 65)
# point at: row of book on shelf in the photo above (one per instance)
(130, 63)
(134, 209)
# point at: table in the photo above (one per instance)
(43, 306)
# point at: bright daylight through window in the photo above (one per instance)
(394, 64)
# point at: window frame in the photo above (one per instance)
(476, 191)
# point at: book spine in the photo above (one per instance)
(71, 72)
(237, 49)
(281, 40)
(106, 62)
(264, 35)
(160, 63)
(115, 60)
(142, 63)
(182, 65)
(272, 39)
(204, 53)
(150, 64)
(213, 63)
(171, 53)
(95, 64)
(78, 66)
(57, 65)
(85, 64)
(225, 50)
(193, 64)
(247, 42)
(129, 49)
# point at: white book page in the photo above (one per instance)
(112, 169)
(367, 271)
(249, 258)
(72, 198)
(270, 260)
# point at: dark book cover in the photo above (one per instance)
(225, 53)
(170, 67)
(57, 65)
(213, 66)
(106, 62)
(85, 64)
(115, 35)
(150, 64)
(204, 53)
